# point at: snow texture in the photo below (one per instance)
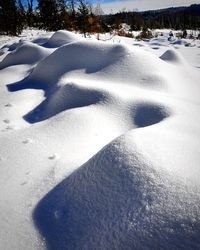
(99, 142)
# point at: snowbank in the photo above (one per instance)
(60, 38)
(99, 144)
(25, 53)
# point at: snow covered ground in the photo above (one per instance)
(99, 142)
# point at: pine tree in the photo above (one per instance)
(21, 15)
(30, 13)
(72, 8)
(8, 17)
(49, 16)
(72, 14)
(83, 15)
(184, 35)
(64, 22)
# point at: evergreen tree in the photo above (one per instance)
(72, 14)
(9, 17)
(184, 35)
(21, 15)
(49, 16)
(64, 22)
(72, 11)
(30, 13)
(83, 15)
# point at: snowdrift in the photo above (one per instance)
(119, 200)
(60, 38)
(25, 53)
(96, 61)
(99, 145)
(173, 57)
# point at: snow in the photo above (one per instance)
(99, 142)
(172, 56)
(60, 38)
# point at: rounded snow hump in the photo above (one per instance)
(60, 38)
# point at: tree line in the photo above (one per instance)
(78, 15)
(50, 15)
(179, 18)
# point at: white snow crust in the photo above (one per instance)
(99, 142)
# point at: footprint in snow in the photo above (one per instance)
(52, 157)
(26, 141)
(9, 128)
(8, 105)
(23, 183)
(6, 121)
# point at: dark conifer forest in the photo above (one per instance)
(78, 15)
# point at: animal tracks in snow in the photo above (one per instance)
(110, 128)
(8, 105)
(53, 157)
(6, 121)
(26, 141)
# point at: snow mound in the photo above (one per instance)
(106, 62)
(172, 56)
(180, 42)
(159, 41)
(99, 144)
(25, 53)
(60, 38)
(13, 46)
(118, 200)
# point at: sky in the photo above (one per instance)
(109, 6)
(112, 6)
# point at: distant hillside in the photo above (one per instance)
(193, 7)
(174, 18)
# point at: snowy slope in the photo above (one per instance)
(99, 143)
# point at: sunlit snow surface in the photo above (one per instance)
(99, 142)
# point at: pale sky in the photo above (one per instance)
(117, 5)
